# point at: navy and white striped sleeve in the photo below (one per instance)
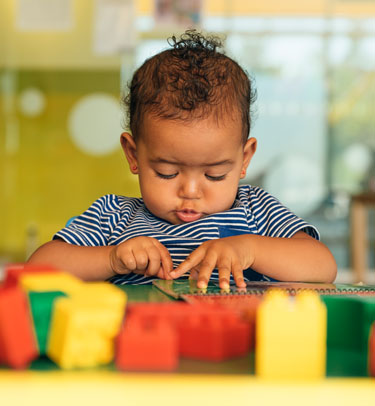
(275, 220)
(95, 225)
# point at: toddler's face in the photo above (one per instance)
(188, 170)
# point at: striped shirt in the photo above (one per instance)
(113, 219)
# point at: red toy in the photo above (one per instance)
(14, 271)
(371, 351)
(215, 335)
(245, 306)
(18, 345)
(204, 331)
(147, 343)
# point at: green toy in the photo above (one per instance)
(41, 304)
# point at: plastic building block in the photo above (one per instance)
(344, 322)
(205, 331)
(100, 293)
(84, 326)
(54, 281)
(147, 344)
(291, 336)
(245, 305)
(17, 340)
(174, 312)
(214, 335)
(349, 321)
(41, 304)
(371, 351)
(14, 271)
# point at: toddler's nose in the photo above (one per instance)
(189, 189)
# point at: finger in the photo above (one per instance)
(162, 275)
(165, 275)
(166, 260)
(237, 272)
(194, 273)
(129, 262)
(141, 258)
(206, 267)
(190, 262)
(154, 261)
(224, 269)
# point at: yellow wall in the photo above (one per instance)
(73, 48)
(351, 8)
(46, 179)
(70, 49)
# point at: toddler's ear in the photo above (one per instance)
(248, 153)
(130, 149)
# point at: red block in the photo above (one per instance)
(18, 345)
(14, 271)
(214, 336)
(371, 351)
(244, 305)
(147, 344)
(173, 311)
(204, 331)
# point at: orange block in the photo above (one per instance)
(18, 345)
(147, 344)
(214, 334)
(205, 331)
(371, 351)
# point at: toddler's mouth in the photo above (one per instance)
(187, 215)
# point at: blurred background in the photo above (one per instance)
(64, 65)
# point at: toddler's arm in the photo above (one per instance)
(299, 258)
(142, 255)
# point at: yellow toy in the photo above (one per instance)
(54, 281)
(291, 336)
(84, 326)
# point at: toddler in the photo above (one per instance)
(189, 116)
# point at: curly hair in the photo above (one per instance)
(190, 81)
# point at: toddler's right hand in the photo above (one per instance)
(141, 255)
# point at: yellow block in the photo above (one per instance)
(291, 336)
(53, 281)
(100, 292)
(83, 326)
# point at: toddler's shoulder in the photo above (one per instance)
(251, 194)
(118, 202)
(112, 203)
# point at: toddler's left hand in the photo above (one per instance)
(230, 255)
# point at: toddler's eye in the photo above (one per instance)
(215, 178)
(163, 176)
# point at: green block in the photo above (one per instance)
(344, 322)
(41, 304)
(349, 320)
(368, 318)
(346, 363)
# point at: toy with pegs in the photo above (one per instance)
(291, 336)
